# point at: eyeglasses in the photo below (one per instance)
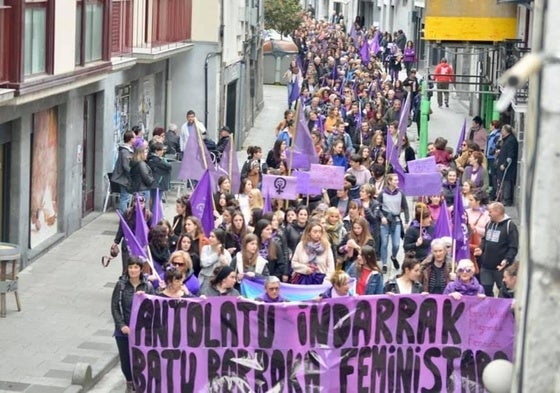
(177, 263)
(465, 270)
(274, 289)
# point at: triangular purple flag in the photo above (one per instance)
(140, 225)
(302, 142)
(193, 163)
(201, 202)
(403, 121)
(442, 227)
(364, 52)
(461, 136)
(267, 204)
(157, 210)
(374, 44)
(460, 232)
(229, 164)
(134, 247)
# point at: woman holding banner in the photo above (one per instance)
(270, 250)
(367, 273)
(130, 283)
(407, 283)
(213, 255)
(222, 283)
(313, 259)
(420, 233)
(466, 283)
(340, 281)
(436, 268)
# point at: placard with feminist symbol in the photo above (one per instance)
(279, 187)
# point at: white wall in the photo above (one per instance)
(64, 36)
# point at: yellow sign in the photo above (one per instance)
(449, 28)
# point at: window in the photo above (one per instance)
(35, 37)
(89, 31)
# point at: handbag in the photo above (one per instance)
(113, 252)
(308, 279)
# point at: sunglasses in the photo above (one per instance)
(274, 289)
(465, 270)
(177, 263)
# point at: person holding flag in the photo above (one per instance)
(420, 233)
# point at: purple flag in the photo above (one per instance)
(134, 247)
(229, 164)
(140, 225)
(461, 137)
(442, 227)
(374, 44)
(403, 121)
(157, 209)
(201, 202)
(295, 93)
(354, 35)
(303, 143)
(364, 52)
(460, 230)
(194, 165)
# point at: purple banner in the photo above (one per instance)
(422, 165)
(279, 187)
(304, 186)
(422, 184)
(351, 344)
(326, 176)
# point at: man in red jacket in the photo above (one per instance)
(443, 75)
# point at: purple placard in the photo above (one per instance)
(422, 165)
(303, 185)
(326, 176)
(422, 184)
(434, 343)
(280, 187)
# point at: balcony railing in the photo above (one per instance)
(161, 24)
(4, 40)
(121, 27)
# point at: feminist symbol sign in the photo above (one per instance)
(284, 187)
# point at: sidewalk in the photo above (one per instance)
(65, 295)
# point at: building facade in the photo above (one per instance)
(75, 74)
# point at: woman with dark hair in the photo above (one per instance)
(277, 154)
(159, 247)
(174, 289)
(442, 156)
(420, 233)
(183, 209)
(243, 197)
(222, 283)
(407, 282)
(253, 168)
(213, 255)
(130, 218)
(185, 244)
(236, 232)
(121, 306)
(313, 258)
(507, 290)
(475, 172)
(407, 153)
(358, 237)
(409, 56)
(367, 272)
(295, 230)
(448, 187)
(270, 250)
(224, 184)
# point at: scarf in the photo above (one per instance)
(467, 288)
(334, 232)
(314, 249)
(263, 252)
(386, 190)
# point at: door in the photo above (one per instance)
(4, 190)
(87, 154)
(231, 105)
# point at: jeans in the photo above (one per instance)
(124, 356)
(124, 200)
(443, 94)
(393, 231)
(489, 277)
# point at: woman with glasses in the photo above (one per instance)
(181, 261)
(466, 283)
(271, 291)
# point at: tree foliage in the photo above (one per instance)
(284, 16)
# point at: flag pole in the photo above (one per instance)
(296, 117)
(201, 145)
(453, 250)
(230, 163)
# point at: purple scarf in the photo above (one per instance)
(314, 249)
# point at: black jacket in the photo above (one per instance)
(161, 171)
(121, 301)
(508, 149)
(293, 234)
(141, 177)
(500, 241)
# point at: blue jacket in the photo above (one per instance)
(491, 144)
(374, 284)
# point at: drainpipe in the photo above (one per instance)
(208, 57)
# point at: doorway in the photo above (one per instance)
(231, 105)
(87, 155)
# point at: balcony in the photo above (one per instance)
(4, 40)
(162, 28)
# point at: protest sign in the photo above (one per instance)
(326, 176)
(279, 187)
(422, 184)
(422, 165)
(303, 184)
(351, 344)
